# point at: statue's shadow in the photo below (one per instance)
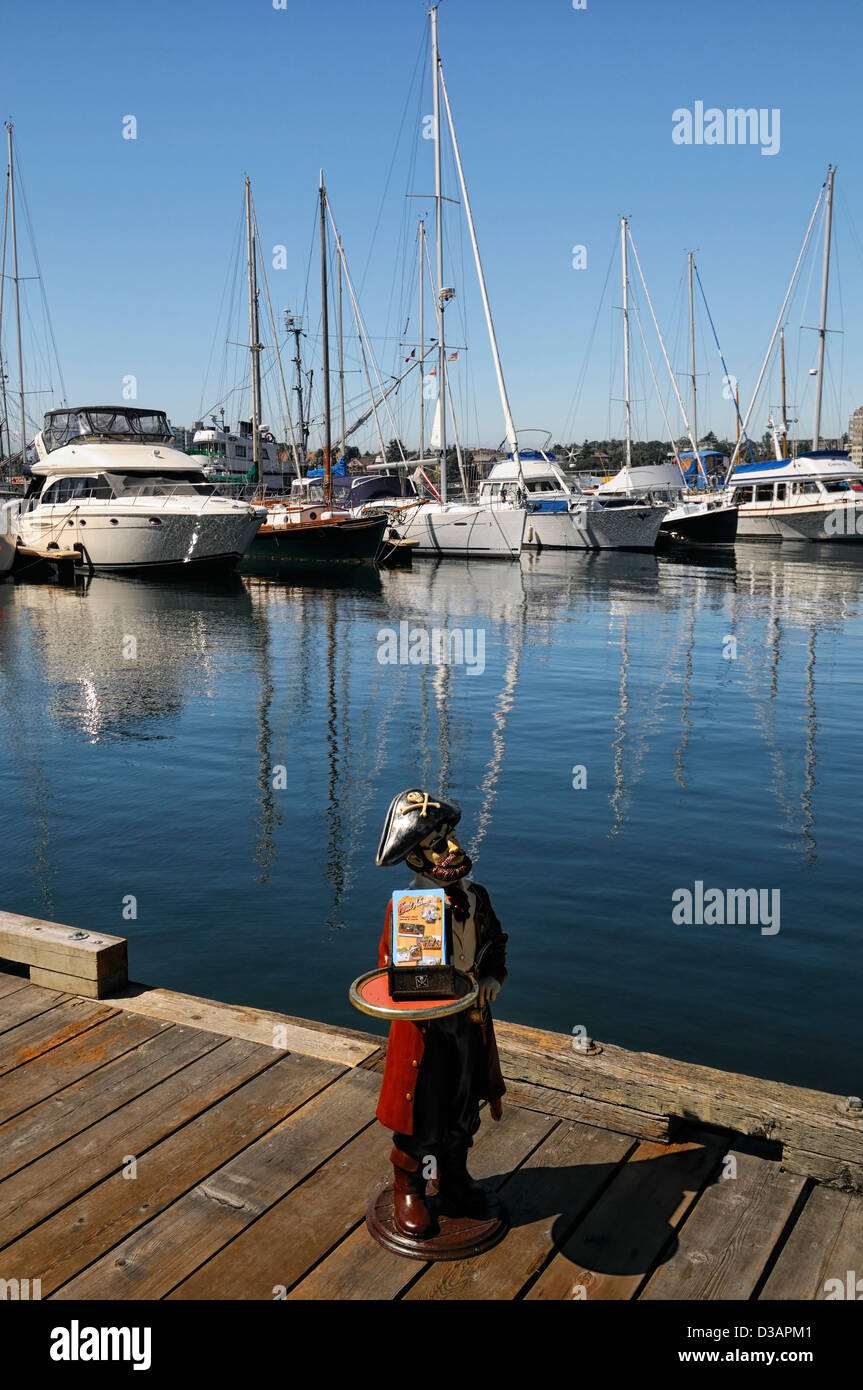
(612, 1218)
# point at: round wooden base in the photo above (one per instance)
(454, 1238)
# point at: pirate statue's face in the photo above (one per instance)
(440, 857)
(420, 830)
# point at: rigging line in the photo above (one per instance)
(576, 401)
(285, 399)
(727, 374)
(412, 90)
(23, 196)
(230, 267)
(656, 386)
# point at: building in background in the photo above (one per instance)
(855, 431)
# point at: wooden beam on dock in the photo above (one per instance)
(820, 1134)
(90, 964)
(344, 1045)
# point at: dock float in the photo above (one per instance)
(154, 1145)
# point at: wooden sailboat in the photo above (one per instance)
(295, 533)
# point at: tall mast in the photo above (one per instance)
(295, 326)
(822, 326)
(4, 406)
(341, 367)
(254, 345)
(692, 364)
(441, 407)
(626, 404)
(784, 407)
(422, 239)
(325, 333)
(17, 299)
(501, 385)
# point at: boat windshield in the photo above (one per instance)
(105, 422)
(178, 484)
(843, 484)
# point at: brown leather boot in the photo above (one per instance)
(409, 1189)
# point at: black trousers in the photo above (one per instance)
(446, 1106)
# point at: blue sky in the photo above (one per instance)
(564, 118)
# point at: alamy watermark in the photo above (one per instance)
(736, 126)
(436, 646)
(717, 907)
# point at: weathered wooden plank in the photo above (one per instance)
(150, 1262)
(9, 983)
(26, 1003)
(611, 1250)
(273, 1254)
(83, 1231)
(724, 1246)
(43, 1187)
(41, 1127)
(825, 1245)
(50, 946)
(359, 1268)
(832, 1172)
(619, 1118)
(256, 1025)
(559, 1182)
(53, 1071)
(792, 1115)
(48, 1031)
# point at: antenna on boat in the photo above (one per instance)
(325, 334)
(822, 324)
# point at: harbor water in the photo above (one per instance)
(205, 770)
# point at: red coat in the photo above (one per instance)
(407, 1040)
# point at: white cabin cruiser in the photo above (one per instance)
(109, 484)
(559, 516)
(817, 496)
(690, 518)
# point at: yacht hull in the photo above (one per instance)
(705, 526)
(158, 541)
(352, 540)
(843, 522)
(626, 528)
(464, 531)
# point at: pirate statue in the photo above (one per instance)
(437, 1071)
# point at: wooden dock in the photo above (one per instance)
(158, 1146)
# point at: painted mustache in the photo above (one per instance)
(455, 866)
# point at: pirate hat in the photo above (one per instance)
(413, 815)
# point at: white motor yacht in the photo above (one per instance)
(109, 484)
(559, 516)
(817, 496)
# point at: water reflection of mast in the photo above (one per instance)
(335, 834)
(810, 760)
(270, 817)
(620, 727)
(686, 700)
(489, 785)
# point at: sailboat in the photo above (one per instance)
(463, 528)
(817, 496)
(688, 519)
(293, 533)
